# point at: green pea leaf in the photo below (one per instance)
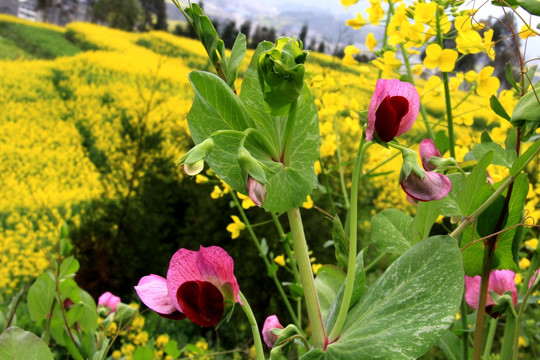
(473, 182)
(18, 344)
(408, 309)
(390, 231)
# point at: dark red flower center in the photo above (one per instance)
(201, 302)
(389, 115)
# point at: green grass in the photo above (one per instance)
(19, 40)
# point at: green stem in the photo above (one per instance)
(287, 247)
(259, 352)
(306, 278)
(464, 326)
(265, 259)
(447, 100)
(490, 336)
(410, 76)
(340, 167)
(327, 186)
(387, 23)
(374, 262)
(508, 337)
(353, 241)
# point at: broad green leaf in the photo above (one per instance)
(3, 321)
(327, 283)
(525, 158)
(171, 349)
(341, 245)
(526, 115)
(143, 353)
(473, 182)
(426, 214)
(441, 141)
(69, 267)
(497, 107)
(532, 6)
(390, 231)
(17, 344)
(40, 297)
(238, 52)
(500, 156)
(84, 315)
(88, 344)
(72, 348)
(408, 309)
(289, 187)
(358, 291)
(510, 74)
(448, 205)
(504, 257)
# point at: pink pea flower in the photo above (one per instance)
(433, 186)
(271, 323)
(533, 277)
(109, 300)
(500, 281)
(197, 286)
(256, 191)
(393, 109)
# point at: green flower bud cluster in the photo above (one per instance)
(281, 74)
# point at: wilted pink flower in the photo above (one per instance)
(109, 300)
(256, 191)
(433, 186)
(271, 323)
(197, 285)
(393, 109)
(500, 281)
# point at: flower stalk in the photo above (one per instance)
(259, 352)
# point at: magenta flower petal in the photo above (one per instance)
(433, 186)
(501, 281)
(256, 191)
(392, 110)
(427, 151)
(271, 322)
(202, 302)
(211, 264)
(217, 267)
(109, 300)
(472, 290)
(152, 291)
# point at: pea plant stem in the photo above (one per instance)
(306, 277)
(259, 352)
(353, 240)
(262, 254)
(410, 78)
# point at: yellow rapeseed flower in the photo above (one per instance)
(347, 3)
(445, 59)
(424, 12)
(308, 204)
(235, 227)
(522, 342)
(246, 201)
(280, 260)
(518, 279)
(487, 85)
(532, 243)
(201, 179)
(387, 63)
(216, 193)
(162, 340)
(488, 44)
(417, 69)
(370, 41)
(316, 267)
(357, 22)
(376, 12)
(524, 263)
(526, 32)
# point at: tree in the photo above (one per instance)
(228, 35)
(322, 47)
(119, 14)
(245, 29)
(154, 9)
(303, 33)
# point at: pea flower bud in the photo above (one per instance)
(271, 324)
(193, 160)
(281, 74)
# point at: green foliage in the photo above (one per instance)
(408, 309)
(119, 14)
(17, 344)
(36, 42)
